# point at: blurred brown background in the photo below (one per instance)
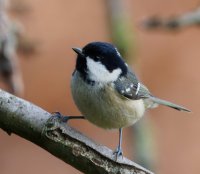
(168, 63)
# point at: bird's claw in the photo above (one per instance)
(118, 153)
(60, 116)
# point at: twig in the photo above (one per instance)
(191, 18)
(36, 125)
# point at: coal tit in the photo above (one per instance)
(106, 90)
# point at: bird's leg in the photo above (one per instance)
(66, 118)
(118, 151)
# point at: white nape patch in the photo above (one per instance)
(98, 72)
(118, 52)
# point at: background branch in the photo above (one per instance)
(10, 72)
(36, 125)
(187, 19)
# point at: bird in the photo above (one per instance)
(107, 92)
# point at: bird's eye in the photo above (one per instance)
(97, 58)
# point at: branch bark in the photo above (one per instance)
(36, 125)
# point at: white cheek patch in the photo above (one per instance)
(98, 72)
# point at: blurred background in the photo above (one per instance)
(167, 61)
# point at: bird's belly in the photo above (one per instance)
(103, 109)
(114, 117)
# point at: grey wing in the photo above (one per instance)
(130, 87)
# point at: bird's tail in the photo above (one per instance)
(169, 104)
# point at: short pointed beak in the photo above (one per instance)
(78, 51)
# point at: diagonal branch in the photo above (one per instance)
(36, 125)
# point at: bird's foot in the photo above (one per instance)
(63, 118)
(118, 153)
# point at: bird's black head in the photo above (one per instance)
(100, 61)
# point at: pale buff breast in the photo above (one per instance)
(102, 108)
